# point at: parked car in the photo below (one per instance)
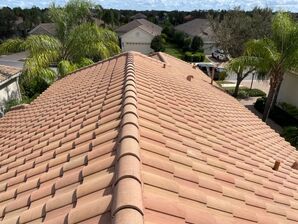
(220, 55)
(207, 67)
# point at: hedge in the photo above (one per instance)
(277, 114)
(194, 57)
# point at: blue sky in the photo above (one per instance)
(187, 5)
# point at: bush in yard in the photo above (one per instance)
(188, 56)
(169, 31)
(256, 93)
(198, 57)
(186, 44)
(158, 43)
(222, 75)
(291, 109)
(197, 44)
(277, 114)
(291, 135)
(179, 38)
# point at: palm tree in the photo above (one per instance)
(77, 43)
(276, 55)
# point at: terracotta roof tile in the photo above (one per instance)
(129, 139)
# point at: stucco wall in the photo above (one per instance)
(289, 89)
(137, 40)
(9, 91)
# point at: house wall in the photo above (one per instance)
(9, 91)
(289, 89)
(137, 40)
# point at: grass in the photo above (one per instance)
(220, 82)
(173, 50)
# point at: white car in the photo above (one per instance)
(220, 55)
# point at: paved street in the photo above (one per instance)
(15, 60)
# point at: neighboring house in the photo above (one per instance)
(288, 92)
(138, 16)
(201, 28)
(44, 29)
(137, 35)
(9, 85)
(134, 139)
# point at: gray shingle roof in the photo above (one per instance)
(198, 27)
(47, 28)
(143, 24)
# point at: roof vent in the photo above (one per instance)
(276, 165)
(164, 65)
(295, 165)
(189, 78)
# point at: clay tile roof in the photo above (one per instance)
(143, 24)
(6, 72)
(129, 140)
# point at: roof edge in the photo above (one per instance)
(127, 195)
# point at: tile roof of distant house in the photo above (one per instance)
(141, 23)
(44, 28)
(6, 72)
(135, 139)
(198, 27)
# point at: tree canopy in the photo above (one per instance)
(77, 43)
(275, 55)
(236, 27)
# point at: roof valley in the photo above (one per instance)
(127, 204)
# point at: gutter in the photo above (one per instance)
(11, 78)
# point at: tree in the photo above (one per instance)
(241, 67)
(179, 38)
(158, 43)
(275, 55)
(236, 27)
(197, 44)
(78, 40)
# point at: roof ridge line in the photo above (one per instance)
(97, 63)
(127, 190)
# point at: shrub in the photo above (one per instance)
(158, 43)
(32, 87)
(222, 75)
(198, 57)
(291, 135)
(277, 114)
(197, 44)
(188, 56)
(169, 31)
(186, 44)
(179, 38)
(291, 109)
(256, 93)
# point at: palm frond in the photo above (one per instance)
(87, 40)
(12, 46)
(65, 67)
(37, 44)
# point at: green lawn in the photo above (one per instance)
(173, 50)
(219, 82)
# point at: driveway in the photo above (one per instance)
(15, 60)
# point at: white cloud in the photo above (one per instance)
(188, 5)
